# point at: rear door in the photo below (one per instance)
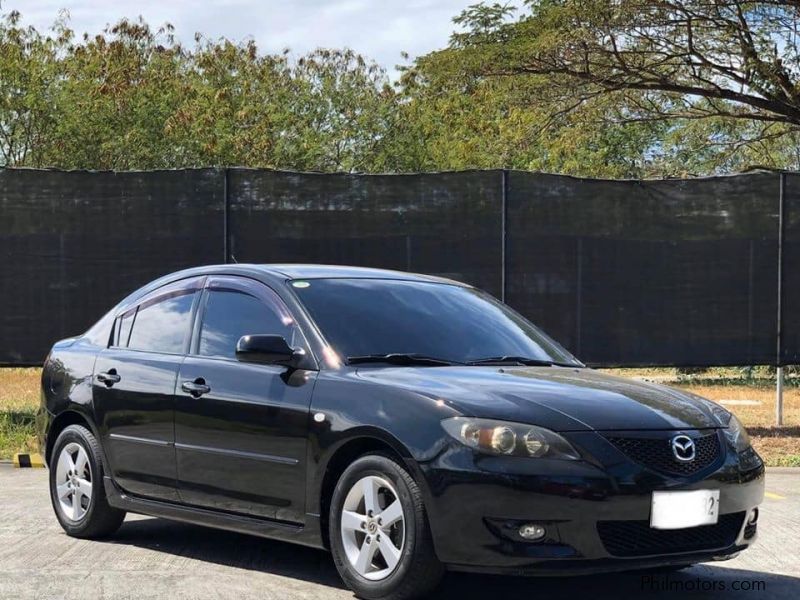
(134, 388)
(241, 438)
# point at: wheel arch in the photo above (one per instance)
(359, 443)
(63, 420)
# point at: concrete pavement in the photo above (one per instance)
(151, 558)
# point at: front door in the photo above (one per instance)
(241, 429)
(134, 389)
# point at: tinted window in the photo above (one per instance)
(231, 314)
(163, 324)
(362, 317)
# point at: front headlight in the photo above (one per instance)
(737, 435)
(735, 432)
(509, 439)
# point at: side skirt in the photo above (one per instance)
(308, 535)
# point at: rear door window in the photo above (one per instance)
(164, 324)
(162, 320)
(122, 331)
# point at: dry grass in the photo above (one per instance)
(760, 415)
(19, 399)
(780, 446)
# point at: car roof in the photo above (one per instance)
(313, 271)
(301, 271)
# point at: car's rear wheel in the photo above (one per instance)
(76, 486)
(379, 533)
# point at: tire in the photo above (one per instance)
(76, 470)
(409, 568)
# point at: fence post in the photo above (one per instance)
(779, 357)
(226, 206)
(503, 232)
(779, 397)
(578, 294)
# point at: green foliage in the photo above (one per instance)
(534, 87)
(457, 117)
(134, 98)
(114, 97)
(715, 86)
(28, 74)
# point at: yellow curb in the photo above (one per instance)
(774, 496)
(24, 461)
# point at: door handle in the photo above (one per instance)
(109, 377)
(196, 388)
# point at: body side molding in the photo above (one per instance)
(307, 535)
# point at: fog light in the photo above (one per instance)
(531, 531)
(752, 518)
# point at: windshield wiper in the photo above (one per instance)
(515, 360)
(401, 359)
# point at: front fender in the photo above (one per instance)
(346, 408)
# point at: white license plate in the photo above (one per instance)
(677, 510)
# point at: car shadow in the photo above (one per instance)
(230, 549)
(315, 566)
(700, 581)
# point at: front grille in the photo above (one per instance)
(656, 453)
(637, 538)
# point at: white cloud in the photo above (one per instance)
(379, 29)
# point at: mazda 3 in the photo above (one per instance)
(407, 423)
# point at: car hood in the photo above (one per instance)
(559, 398)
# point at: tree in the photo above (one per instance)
(115, 93)
(624, 88)
(132, 97)
(326, 111)
(720, 61)
(343, 109)
(28, 71)
(454, 116)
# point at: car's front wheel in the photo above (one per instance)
(76, 486)
(379, 533)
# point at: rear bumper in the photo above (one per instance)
(596, 518)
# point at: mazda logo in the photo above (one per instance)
(683, 448)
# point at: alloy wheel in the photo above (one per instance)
(373, 527)
(74, 481)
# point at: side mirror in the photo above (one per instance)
(268, 350)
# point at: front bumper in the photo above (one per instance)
(596, 515)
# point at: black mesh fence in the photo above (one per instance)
(790, 279)
(75, 243)
(448, 224)
(677, 272)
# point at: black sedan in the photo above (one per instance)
(408, 423)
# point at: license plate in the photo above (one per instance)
(678, 510)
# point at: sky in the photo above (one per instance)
(378, 29)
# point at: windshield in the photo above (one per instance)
(373, 317)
